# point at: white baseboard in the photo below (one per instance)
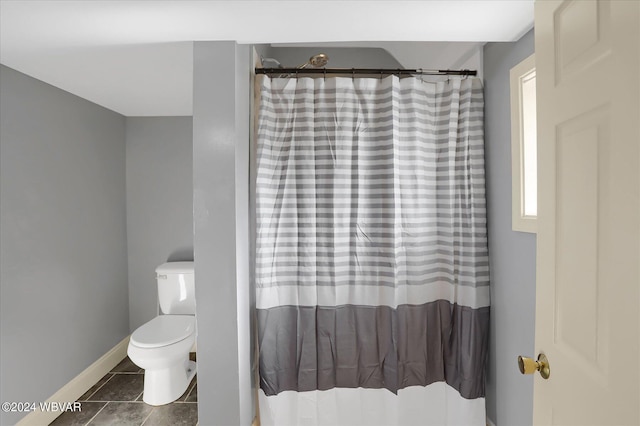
(78, 385)
(489, 422)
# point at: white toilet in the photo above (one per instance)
(161, 346)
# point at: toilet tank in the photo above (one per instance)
(176, 288)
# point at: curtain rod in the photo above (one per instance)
(369, 71)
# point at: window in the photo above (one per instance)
(524, 161)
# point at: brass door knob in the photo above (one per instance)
(529, 366)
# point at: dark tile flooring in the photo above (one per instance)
(117, 400)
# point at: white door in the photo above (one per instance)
(588, 273)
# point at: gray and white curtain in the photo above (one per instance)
(372, 270)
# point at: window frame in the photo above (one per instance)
(517, 75)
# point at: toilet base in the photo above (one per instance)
(168, 384)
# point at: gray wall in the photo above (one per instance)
(339, 57)
(389, 54)
(159, 205)
(512, 254)
(63, 252)
(221, 222)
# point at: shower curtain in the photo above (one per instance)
(372, 271)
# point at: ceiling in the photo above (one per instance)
(135, 57)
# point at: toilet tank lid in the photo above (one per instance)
(175, 268)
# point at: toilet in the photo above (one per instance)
(161, 346)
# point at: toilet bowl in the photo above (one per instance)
(161, 347)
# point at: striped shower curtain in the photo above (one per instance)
(372, 271)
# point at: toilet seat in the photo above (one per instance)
(164, 330)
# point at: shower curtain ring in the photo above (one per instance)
(325, 74)
(296, 74)
(421, 74)
(353, 74)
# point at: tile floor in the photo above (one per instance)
(117, 400)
